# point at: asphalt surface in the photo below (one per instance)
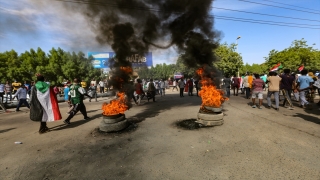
(251, 144)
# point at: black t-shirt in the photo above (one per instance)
(286, 82)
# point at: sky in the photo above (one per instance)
(26, 24)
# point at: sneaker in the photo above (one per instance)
(269, 107)
(309, 106)
(277, 109)
(290, 108)
(254, 106)
(259, 107)
(17, 110)
(66, 122)
(302, 106)
(86, 118)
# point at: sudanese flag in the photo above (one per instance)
(48, 101)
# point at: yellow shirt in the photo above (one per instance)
(83, 84)
(16, 85)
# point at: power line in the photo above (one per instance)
(265, 14)
(218, 17)
(267, 23)
(279, 7)
(292, 5)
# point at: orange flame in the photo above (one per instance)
(117, 106)
(210, 95)
(127, 69)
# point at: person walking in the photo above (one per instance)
(162, 87)
(101, 84)
(44, 104)
(274, 87)
(304, 83)
(190, 87)
(76, 95)
(92, 92)
(21, 95)
(226, 84)
(181, 85)
(196, 84)
(287, 83)
(139, 91)
(247, 82)
(235, 85)
(2, 91)
(8, 91)
(16, 85)
(257, 91)
(151, 91)
(174, 85)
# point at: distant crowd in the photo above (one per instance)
(301, 87)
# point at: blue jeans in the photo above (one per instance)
(228, 91)
(22, 101)
(276, 97)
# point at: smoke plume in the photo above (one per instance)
(135, 26)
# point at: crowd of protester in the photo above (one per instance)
(301, 88)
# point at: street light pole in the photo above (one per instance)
(237, 51)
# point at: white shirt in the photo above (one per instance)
(101, 83)
(21, 93)
(1, 88)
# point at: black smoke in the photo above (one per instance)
(135, 26)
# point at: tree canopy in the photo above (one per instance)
(56, 66)
(298, 54)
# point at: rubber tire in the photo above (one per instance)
(113, 127)
(112, 120)
(217, 110)
(210, 117)
(210, 123)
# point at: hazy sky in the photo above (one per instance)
(27, 24)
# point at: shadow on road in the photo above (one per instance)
(308, 118)
(73, 124)
(6, 130)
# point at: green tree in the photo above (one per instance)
(299, 53)
(230, 62)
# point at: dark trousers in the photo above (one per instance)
(1, 96)
(22, 101)
(77, 107)
(190, 91)
(197, 90)
(152, 95)
(247, 92)
(181, 92)
(101, 89)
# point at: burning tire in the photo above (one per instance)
(113, 119)
(210, 117)
(114, 126)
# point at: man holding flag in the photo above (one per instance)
(44, 104)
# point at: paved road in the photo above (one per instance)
(251, 144)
